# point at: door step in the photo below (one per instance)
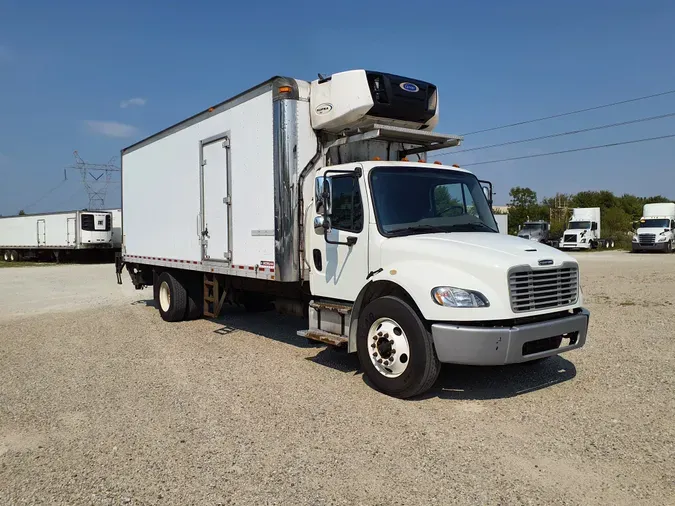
(336, 307)
(324, 337)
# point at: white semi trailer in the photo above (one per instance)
(657, 228)
(116, 227)
(314, 196)
(55, 235)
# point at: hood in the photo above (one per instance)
(650, 230)
(476, 248)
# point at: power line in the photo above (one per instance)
(561, 134)
(569, 113)
(45, 195)
(588, 148)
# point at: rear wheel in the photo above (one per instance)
(14, 256)
(395, 349)
(194, 284)
(171, 298)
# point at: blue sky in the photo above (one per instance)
(96, 76)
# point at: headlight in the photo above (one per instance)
(534, 238)
(661, 239)
(635, 239)
(583, 240)
(457, 297)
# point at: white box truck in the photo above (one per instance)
(314, 197)
(55, 235)
(583, 230)
(656, 231)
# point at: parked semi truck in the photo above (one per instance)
(583, 230)
(55, 235)
(656, 231)
(315, 197)
(537, 231)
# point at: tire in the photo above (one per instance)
(194, 283)
(13, 256)
(172, 298)
(419, 370)
(5, 255)
(669, 248)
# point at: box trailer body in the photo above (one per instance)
(502, 223)
(304, 195)
(583, 230)
(29, 235)
(656, 231)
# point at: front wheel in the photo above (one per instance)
(395, 349)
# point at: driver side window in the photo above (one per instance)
(453, 200)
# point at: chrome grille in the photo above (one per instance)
(533, 290)
(647, 238)
(570, 238)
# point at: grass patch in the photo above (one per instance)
(24, 264)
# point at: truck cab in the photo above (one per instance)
(656, 230)
(537, 231)
(583, 229)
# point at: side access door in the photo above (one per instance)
(216, 198)
(41, 233)
(339, 255)
(71, 238)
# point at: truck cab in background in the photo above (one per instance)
(656, 230)
(583, 230)
(535, 231)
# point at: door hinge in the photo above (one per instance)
(204, 162)
(227, 255)
(227, 200)
(226, 142)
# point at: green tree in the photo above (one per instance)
(22, 213)
(523, 207)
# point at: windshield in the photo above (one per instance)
(532, 227)
(579, 225)
(410, 200)
(655, 223)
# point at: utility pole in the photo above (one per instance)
(96, 178)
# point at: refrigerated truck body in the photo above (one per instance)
(315, 197)
(54, 234)
(116, 227)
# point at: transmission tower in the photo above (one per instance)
(96, 178)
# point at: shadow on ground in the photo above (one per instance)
(455, 381)
(485, 383)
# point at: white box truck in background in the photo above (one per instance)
(583, 230)
(657, 228)
(55, 235)
(302, 195)
(502, 223)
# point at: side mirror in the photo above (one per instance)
(486, 192)
(321, 224)
(323, 194)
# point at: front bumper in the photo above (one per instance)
(575, 245)
(657, 246)
(506, 345)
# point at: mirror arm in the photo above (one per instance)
(351, 240)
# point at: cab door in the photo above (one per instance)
(339, 256)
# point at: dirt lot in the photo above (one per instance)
(101, 402)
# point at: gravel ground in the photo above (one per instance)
(101, 402)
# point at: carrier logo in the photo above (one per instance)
(412, 88)
(324, 108)
(545, 262)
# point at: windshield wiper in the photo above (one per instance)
(479, 224)
(418, 229)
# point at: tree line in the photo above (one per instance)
(618, 213)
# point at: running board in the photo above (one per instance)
(324, 337)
